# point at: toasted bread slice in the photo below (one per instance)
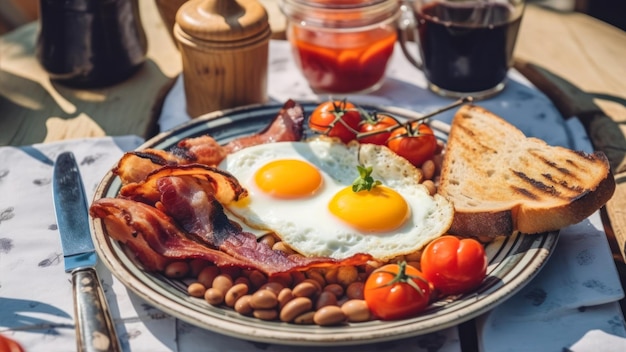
(501, 181)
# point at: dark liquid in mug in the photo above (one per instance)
(465, 48)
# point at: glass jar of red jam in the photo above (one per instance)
(342, 46)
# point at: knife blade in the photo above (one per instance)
(95, 330)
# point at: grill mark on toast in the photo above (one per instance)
(535, 184)
(524, 192)
(564, 184)
(470, 141)
(560, 168)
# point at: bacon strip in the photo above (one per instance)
(286, 127)
(136, 165)
(222, 184)
(152, 235)
(206, 231)
(203, 217)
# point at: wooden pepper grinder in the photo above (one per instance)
(224, 49)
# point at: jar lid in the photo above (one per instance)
(340, 13)
(222, 20)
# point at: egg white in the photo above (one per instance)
(307, 225)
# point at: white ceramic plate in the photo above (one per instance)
(513, 262)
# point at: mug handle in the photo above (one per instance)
(406, 23)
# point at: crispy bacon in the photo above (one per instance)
(222, 184)
(286, 127)
(150, 233)
(203, 217)
(205, 231)
(136, 165)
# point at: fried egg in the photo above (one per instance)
(302, 192)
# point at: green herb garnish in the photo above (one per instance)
(365, 181)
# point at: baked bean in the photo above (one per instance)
(265, 314)
(318, 277)
(242, 280)
(214, 296)
(355, 290)
(257, 278)
(295, 307)
(305, 289)
(297, 277)
(268, 239)
(275, 287)
(413, 257)
(317, 284)
(282, 278)
(223, 282)
(347, 275)
(356, 310)
(326, 298)
(283, 247)
(207, 275)
(234, 293)
(177, 270)
(196, 289)
(428, 169)
(329, 315)
(264, 299)
(362, 276)
(242, 306)
(196, 266)
(285, 295)
(231, 271)
(430, 185)
(438, 159)
(330, 275)
(305, 318)
(336, 289)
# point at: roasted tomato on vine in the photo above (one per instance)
(336, 119)
(416, 142)
(454, 265)
(376, 128)
(396, 291)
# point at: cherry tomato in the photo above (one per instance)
(396, 291)
(454, 265)
(415, 142)
(336, 119)
(9, 345)
(375, 128)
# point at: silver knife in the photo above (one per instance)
(95, 330)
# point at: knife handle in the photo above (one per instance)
(95, 330)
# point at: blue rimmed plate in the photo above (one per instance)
(513, 261)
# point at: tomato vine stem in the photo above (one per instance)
(453, 105)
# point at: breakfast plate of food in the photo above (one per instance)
(334, 224)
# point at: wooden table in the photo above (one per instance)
(583, 50)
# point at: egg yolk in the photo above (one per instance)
(288, 179)
(378, 210)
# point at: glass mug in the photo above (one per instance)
(466, 46)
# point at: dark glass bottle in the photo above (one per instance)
(90, 43)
